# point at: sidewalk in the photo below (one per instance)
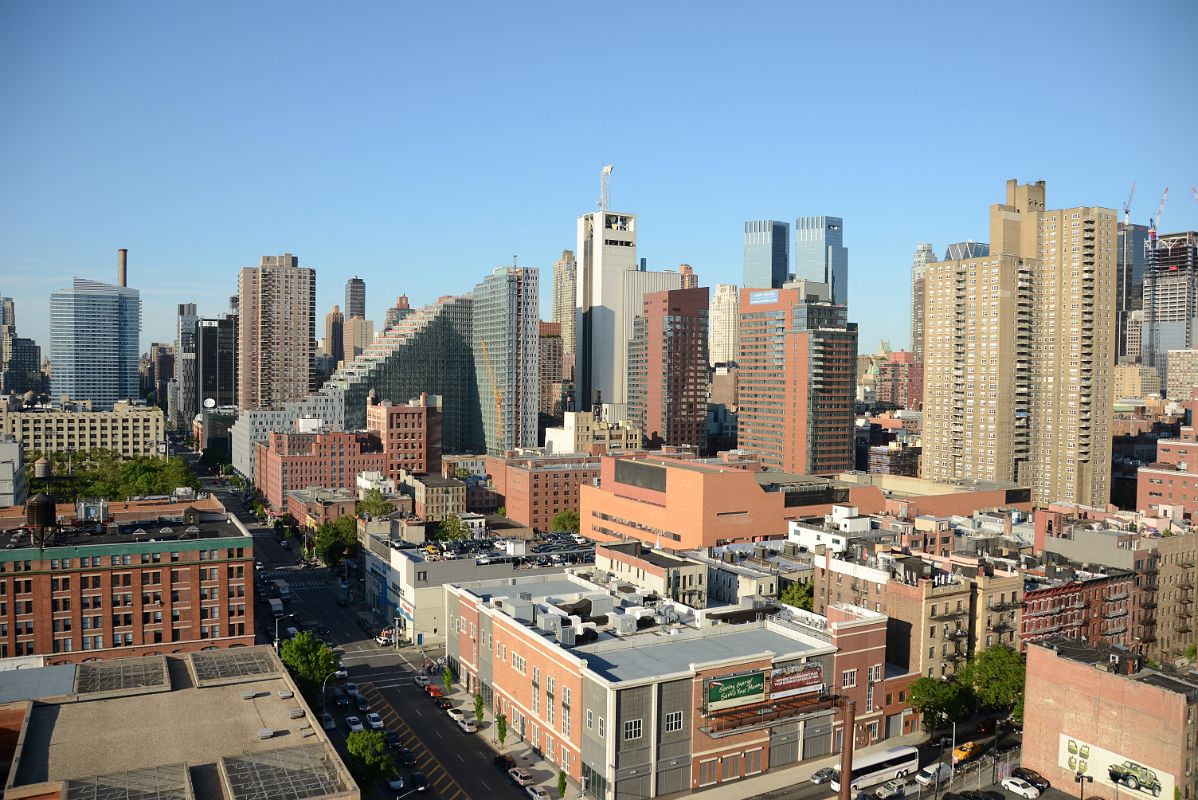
(758, 787)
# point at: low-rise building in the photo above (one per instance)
(14, 488)
(213, 725)
(434, 497)
(536, 487)
(634, 707)
(314, 506)
(678, 579)
(1177, 556)
(585, 432)
(131, 430)
(733, 580)
(330, 460)
(1096, 710)
(1098, 607)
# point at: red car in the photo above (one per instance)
(433, 690)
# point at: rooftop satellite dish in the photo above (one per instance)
(209, 402)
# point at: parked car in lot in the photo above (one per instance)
(340, 698)
(936, 772)
(374, 721)
(822, 775)
(1021, 787)
(351, 689)
(520, 776)
(422, 681)
(354, 724)
(395, 782)
(405, 757)
(341, 674)
(1032, 777)
(361, 703)
(418, 781)
(391, 739)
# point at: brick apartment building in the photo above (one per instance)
(434, 497)
(330, 460)
(900, 381)
(1096, 707)
(131, 430)
(159, 578)
(1173, 478)
(535, 488)
(314, 506)
(410, 434)
(1098, 608)
(551, 369)
(635, 711)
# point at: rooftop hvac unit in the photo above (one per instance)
(624, 624)
(565, 637)
(551, 623)
(601, 604)
(295, 712)
(526, 596)
(521, 610)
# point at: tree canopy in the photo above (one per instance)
(565, 520)
(309, 659)
(374, 504)
(369, 761)
(453, 528)
(334, 538)
(995, 676)
(799, 595)
(103, 473)
(938, 701)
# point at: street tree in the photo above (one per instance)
(996, 677)
(565, 520)
(561, 783)
(334, 539)
(447, 679)
(369, 761)
(799, 595)
(453, 528)
(938, 701)
(309, 659)
(374, 504)
(479, 706)
(501, 728)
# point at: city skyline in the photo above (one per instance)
(344, 190)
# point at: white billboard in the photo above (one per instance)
(1130, 777)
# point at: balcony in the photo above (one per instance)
(949, 613)
(959, 634)
(1114, 613)
(1005, 605)
(1000, 626)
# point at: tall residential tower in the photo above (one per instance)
(924, 255)
(506, 356)
(355, 298)
(723, 324)
(276, 332)
(565, 295)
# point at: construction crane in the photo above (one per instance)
(1127, 205)
(502, 443)
(604, 179)
(1194, 191)
(1160, 212)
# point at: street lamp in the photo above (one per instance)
(277, 621)
(323, 705)
(1082, 779)
(952, 758)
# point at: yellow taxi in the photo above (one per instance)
(966, 751)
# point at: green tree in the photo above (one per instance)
(1017, 711)
(103, 473)
(501, 728)
(374, 504)
(369, 761)
(561, 783)
(799, 595)
(501, 511)
(461, 473)
(334, 539)
(308, 658)
(938, 701)
(1191, 652)
(447, 679)
(995, 676)
(565, 520)
(479, 705)
(453, 528)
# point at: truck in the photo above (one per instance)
(283, 590)
(276, 608)
(1135, 776)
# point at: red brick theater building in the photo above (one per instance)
(161, 578)
(1098, 711)
(634, 696)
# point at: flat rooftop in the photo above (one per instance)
(651, 654)
(648, 555)
(1096, 654)
(159, 530)
(194, 723)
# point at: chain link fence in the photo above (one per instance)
(985, 770)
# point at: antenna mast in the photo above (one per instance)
(604, 179)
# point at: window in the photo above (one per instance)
(632, 730)
(518, 663)
(707, 772)
(590, 719)
(753, 762)
(848, 679)
(673, 721)
(602, 727)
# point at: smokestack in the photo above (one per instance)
(122, 267)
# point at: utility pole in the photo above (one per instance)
(847, 740)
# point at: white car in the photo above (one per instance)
(354, 724)
(1021, 787)
(936, 772)
(455, 714)
(341, 673)
(374, 721)
(536, 793)
(422, 681)
(467, 725)
(892, 790)
(351, 689)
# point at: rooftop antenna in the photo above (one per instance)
(604, 179)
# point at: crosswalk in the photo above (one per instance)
(296, 580)
(439, 777)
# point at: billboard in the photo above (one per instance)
(761, 298)
(796, 679)
(1129, 777)
(735, 690)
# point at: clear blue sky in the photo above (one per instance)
(420, 145)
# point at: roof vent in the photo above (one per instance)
(266, 733)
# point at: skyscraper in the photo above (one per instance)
(797, 379)
(397, 312)
(8, 312)
(1130, 253)
(20, 359)
(551, 371)
(276, 332)
(689, 279)
(1018, 353)
(667, 368)
(820, 255)
(94, 329)
(924, 255)
(506, 355)
(183, 405)
(723, 324)
(1170, 299)
(216, 361)
(767, 254)
(334, 334)
(358, 334)
(355, 298)
(565, 296)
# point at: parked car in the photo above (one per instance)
(327, 722)
(985, 727)
(536, 793)
(361, 703)
(391, 739)
(455, 714)
(443, 703)
(323, 630)
(467, 725)
(504, 762)
(351, 689)
(396, 782)
(433, 690)
(966, 751)
(374, 721)
(384, 641)
(422, 681)
(340, 698)
(418, 781)
(1021, 787)
(406, 757)
(822, 775)
(1032, 777)
(936, 772)
(341, 674)
(354, 724)
(892, 790)
(520, 776)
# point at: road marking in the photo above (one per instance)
(460, 758)
(437, 768)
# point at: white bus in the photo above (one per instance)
(873, 768)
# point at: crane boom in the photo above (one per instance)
(498, 395)
(1127, 205)
(1160, 212)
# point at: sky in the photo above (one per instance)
(421, 145)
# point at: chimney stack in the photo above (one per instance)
(122, 267)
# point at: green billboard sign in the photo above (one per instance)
(735, 690)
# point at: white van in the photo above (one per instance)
(936, 772)
(467, 725)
